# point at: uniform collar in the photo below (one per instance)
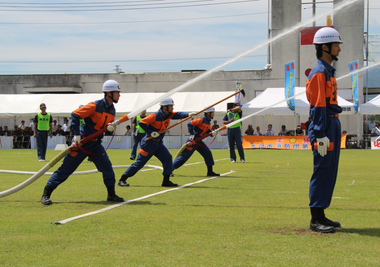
(105, 102)
(330, 68)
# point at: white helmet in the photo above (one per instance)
(327, 35)
(211, 109)
(111, 86)
(167, 102)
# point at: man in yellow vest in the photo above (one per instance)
(234, 113)
(43, 123)
(138, 133)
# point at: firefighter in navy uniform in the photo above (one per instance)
(324, 130)
(198, 128)
(96, 115)
(152, 124)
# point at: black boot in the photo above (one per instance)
(46, 196)
(210, 172)
(318, 224)
(112, 195)
(329, 222)
(122, 181)
(167, 183)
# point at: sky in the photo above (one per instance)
(93, 36)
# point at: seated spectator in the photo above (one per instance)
(258, 132)
(269, 131)
(6, 132)
(66, 127)
(129, 131)
(59, 131)
(283, 130)
(17, 137)
(27, 133)
(1, 131)
(299, 130)
(55, 127)
(249, 130)
(215, 125)
(22, 126)
(376, 130)
(290, 133)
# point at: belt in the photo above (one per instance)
(333, 115)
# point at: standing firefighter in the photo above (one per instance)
(96, 115)
(152, 125)
(198, 128)
(138, 133)
(324, 130)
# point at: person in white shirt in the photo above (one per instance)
(269, 132)
(371, 124)
(22, 126)
(66, 127)
(258, 132)
(376, 130)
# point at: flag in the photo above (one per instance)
(289, 84)
(237, 96)
(354, 83)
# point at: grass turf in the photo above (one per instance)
(257, 216)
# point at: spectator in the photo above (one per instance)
(215, 125)
(129, 131)
(55, 127)
(307, 125)
(371, 124)
(249, 130)
(66, 127)
(283, 130)
(1, 131)
(31, 125)
(22, 126)
(17, 137)
(376, 130)
(258, 132)
(365, 127)
(299, 130)
(27, 133)
(269, 131)
(59, 131)
(6, 132)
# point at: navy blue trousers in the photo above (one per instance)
(42, 139)
(186, 154)
(325, 171)
(75, 158)
(234, 136)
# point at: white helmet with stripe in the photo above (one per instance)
(327, 35)
(167, 102)
(211, 109)
(111, 86)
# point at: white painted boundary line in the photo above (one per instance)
(138, 199)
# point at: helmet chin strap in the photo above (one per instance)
(113, 100)
(329, 52)
(208, 115)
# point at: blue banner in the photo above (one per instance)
(289, 84)
(237, 96)
(354, 84)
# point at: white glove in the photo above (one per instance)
(192, 115)
(323, 144)
(214, 133)
(110, 127)
(76, 141)
(154, 134)
(191, 137)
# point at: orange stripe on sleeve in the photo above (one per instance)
(86, 110)
(197, 121)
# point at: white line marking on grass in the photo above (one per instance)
(138, 199)
(195, 163)
(153, 167)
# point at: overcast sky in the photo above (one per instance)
(92, 36)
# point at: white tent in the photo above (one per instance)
(274, 100)
(371, 107)
(61, 105)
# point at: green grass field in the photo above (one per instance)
(256, 216)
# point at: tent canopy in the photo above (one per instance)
(61, 105)
(273, 100)
(371, 107)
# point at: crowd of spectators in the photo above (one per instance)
(270, 132)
